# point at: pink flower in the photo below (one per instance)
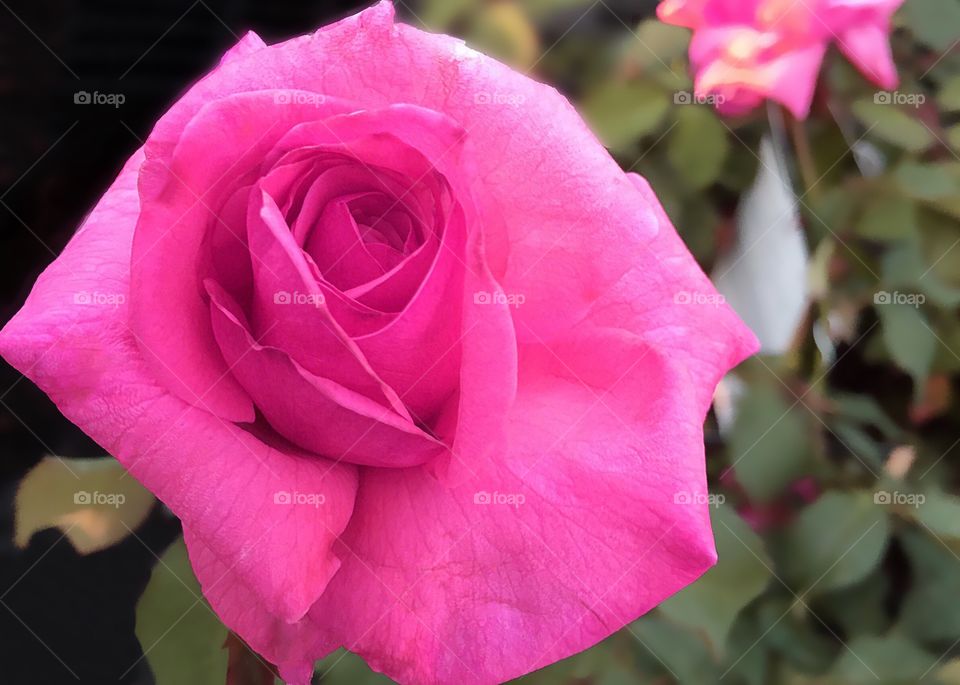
(746, 51)
(419, 368)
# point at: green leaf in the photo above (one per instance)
(940, 513)
(858, 443)
(742, 572)
(770, 443)
(905, 267)
(796, 635)
(749, 642)
(93, 501)
(888, 217)
(953, 136)
(658, 43)
(949, 95)
(675, 651)
(502, 30)
(439, 14)
(621, 113)
(182, 639)
(346, 668)
(933, 22)
(928, 614)
(835, 542)
(859, 608)
(926, 181)
(865, 409)
(887, 660)
(909, 339)
(698, 146)
(940, 248)
(892, 124)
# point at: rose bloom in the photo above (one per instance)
(419, 368)
(746, 51)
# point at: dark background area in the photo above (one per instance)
(56, 159)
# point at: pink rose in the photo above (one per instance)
(746, 51)
(419, 368)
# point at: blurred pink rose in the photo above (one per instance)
(746, 51)
(419, 368)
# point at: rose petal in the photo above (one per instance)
(456, 590)
(338, 249)
(284, 644)
(868, 47)
(217, 478)
(789, 77)
(290, 312)
(315, 413)
(668, 300)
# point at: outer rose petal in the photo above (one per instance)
(868, 47)
(284, 644)
(790, 79)
(218, 479)
(658, 300)
(562, 198)
(439, 587)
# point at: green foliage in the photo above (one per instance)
(181, 636)
(743, 571)
(768, 444)
(834, 542)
